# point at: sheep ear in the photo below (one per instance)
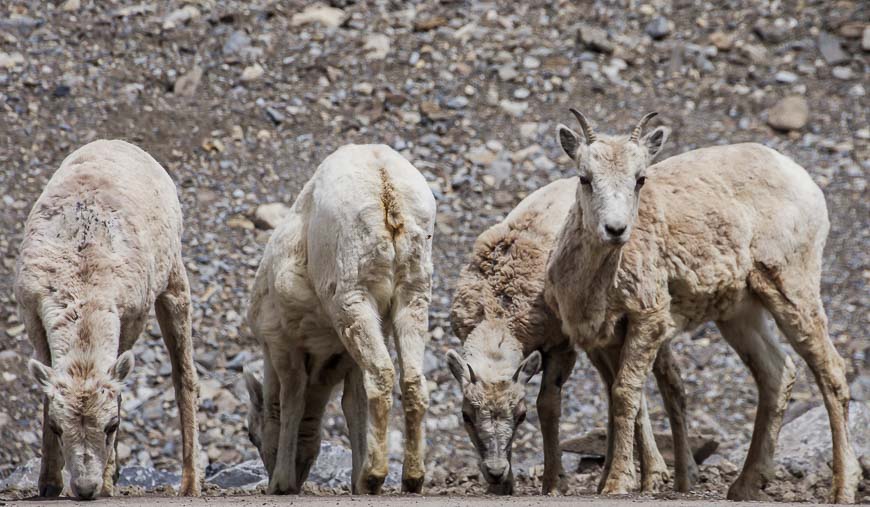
(43, 374)
(654, 141)
(568, 140)
(459, 368)
(530, 366)
(123, 367)
(255, 389)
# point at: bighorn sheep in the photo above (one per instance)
(350, 265)
(508, 331)
(101, 246)
(730, 234)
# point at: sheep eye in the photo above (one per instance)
(521, 417)
(585, 181)
(112, 426)
(53, 426)
(641, 181)
(466, 417)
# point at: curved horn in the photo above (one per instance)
(587, 130)
(471, 376)
(635, 134)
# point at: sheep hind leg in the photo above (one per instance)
(750, 335)
(794, 301)
(558, 363)
(173, 314)
(670, 386)
(410, 328)
(359, 326)
(354, 407)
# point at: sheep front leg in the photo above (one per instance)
(653, 469)
(636, 360)
(308, 447)
(50, 482)
(173, 314)
(410, 323)
(290, 369)
(558, 363)
(360, 330)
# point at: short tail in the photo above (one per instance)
(391, 201)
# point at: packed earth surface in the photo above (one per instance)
(240, 100)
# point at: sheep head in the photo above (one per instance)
(612, 171)
(492, 409)
(83, 413)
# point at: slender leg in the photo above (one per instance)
(359, 327)
(290, 370)
(173, 314)
(410, 325)
(271, 413)
(109, 473)
(50, 482)
(794, 301)
(750, 335)
(558, 363)
(653, 469)
(643, 340)
(674, 396)
(308, 447)
(601, 361)
(354, 406)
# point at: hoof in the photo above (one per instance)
(552, 486)
(412, 485)
(684, 484)
(654, 481)
(618, 483)
(615, 486)
(50, 490)
(502, 488)
(277, 487)
(371, 484)
(742, 492)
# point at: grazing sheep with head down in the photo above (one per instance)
(730, 234)
(349, 266)
(101, 246)
(509, 333)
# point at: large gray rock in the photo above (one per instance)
(23, 478)
(332, 470)
(804, 446)
(244, 475)
(594, 444)
(148, 478)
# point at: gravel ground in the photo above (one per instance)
(415, 501)
(241, 100)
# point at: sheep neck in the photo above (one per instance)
(88, 333)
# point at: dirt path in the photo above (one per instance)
(392, 501)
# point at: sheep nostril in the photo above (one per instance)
(614, 231)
